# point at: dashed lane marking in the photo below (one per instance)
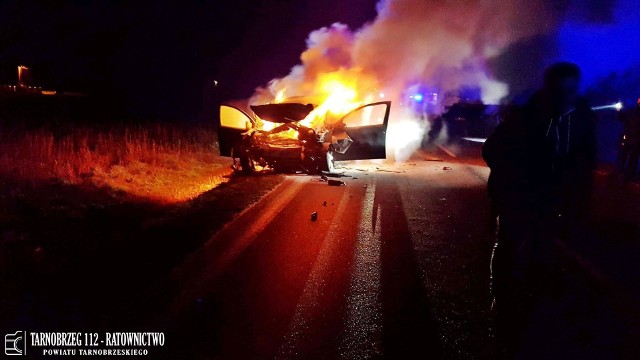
(308, 309)
(362, 337)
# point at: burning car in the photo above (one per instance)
(297, 136)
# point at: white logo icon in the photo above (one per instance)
(15, 344)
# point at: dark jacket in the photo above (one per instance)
(527, 170)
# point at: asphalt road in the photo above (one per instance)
(396, 265)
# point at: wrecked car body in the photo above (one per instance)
(278, 136)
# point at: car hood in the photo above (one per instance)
(283, 112)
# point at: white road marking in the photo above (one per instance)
(258, 225)
(362, 336)
(217, 263)
(308, 310)
(446, 150)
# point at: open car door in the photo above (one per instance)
(367, 127)
(233, 122)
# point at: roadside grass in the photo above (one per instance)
(93, 219)
(159, 162)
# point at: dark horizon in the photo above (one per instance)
(159, 60)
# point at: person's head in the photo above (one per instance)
(562, 84)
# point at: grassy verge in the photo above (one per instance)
(161, 163)
(91, 220)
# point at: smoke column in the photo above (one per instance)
(447, 45)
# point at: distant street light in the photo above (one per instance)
(20, 69)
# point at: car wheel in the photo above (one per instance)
(246, 164)
(241, 162)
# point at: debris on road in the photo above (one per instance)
(324, 203)
(389, 171)
(447, 168)
(326, 174)
(355, 169)
(314, 216)
(336, 183)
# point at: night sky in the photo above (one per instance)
(159, 59)
(156, 59)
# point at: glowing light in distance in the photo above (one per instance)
(618, 106)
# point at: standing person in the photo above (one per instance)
(541, 160)
(630, 143)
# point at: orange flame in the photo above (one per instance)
(340, 97)
(280, 97)
(333, 94)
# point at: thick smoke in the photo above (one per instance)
(446, 45)
(329, 51)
